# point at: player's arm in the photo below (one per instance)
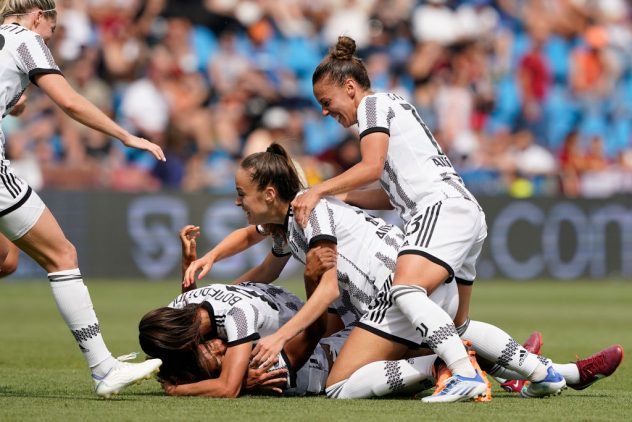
(368, 199)
(266, 272)
(323, 295)
(83, 111)
(238, 241)
(374, 148)
(229, 382)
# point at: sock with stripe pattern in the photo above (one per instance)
(435, 325)
(75, 306)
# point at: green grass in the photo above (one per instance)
(43, 377)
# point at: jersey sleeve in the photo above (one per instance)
(34, 58)
(374, 115)
(320, 225)
(241, 325)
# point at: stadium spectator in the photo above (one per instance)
(552, 67)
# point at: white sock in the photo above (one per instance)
(435, 326)
(495, 345)
(385, 377)
(74, 303)
(569, 371)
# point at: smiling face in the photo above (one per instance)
(338, 101)
(257, 205)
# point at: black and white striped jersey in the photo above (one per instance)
(417, 173)
(243, 312)
(367, 250)
(23, 55)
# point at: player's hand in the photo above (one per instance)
(303, 206)
(202, 265)
(145, 145)
(262, 380)
(168, 388)
(266, 350)
(188, 236)
(318, 261)
(19, 107)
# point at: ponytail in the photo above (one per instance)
(274, 168)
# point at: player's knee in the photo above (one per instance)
(9, 264)
(66, 255)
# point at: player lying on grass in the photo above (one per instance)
(366, 250)
(191, 373)
(185, 335)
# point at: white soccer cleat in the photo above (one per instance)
(124, 374)
(552, 385)
(458, 388)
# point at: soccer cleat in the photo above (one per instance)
(124, 374)
(551, 385)
(487, 395)
(598, 366)
(532, 345)
(458, 388)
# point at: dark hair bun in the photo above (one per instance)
(344, 49)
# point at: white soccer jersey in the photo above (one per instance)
(416, 172)
(367, 250)
(23, 54)
(243, 312)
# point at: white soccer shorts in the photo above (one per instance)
(449, 233)
(312, 377)
(20, 206)
(386, 320)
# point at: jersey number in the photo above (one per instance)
(410, 108)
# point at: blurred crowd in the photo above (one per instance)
(527, 97)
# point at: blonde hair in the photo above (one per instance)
(23, 7)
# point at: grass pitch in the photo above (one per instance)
(43, 376)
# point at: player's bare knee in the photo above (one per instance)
(65, 256)
(9, 265)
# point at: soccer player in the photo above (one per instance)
(444, 225)
(24, 219)
(185, 333)
(374, 379)
(236, 314)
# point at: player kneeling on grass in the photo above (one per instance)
(183, 334)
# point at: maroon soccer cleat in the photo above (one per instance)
(533, 345)
(598, 366)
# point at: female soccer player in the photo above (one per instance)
(365, 247)
(24, 219)
(205, 336)
(444, 225)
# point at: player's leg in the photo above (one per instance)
(495, 345)
(369, 365)
(437, 242)
(39, 235)
(9, 257)
(578, 375)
